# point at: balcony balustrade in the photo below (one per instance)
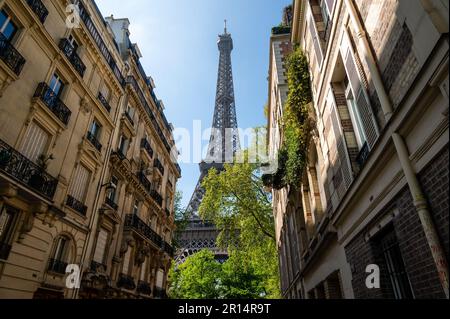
(10, 56)
(20, 168)
(71, 54)
(76, 205)
(146, 146)
(53, 102)
(133, 222)
(39, 9)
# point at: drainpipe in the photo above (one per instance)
(422, 209)
(385, 102)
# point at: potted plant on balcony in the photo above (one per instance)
(37, 178)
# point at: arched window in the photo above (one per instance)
(61, 256)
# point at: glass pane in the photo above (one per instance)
(10, 30)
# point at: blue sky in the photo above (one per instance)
(178, 40)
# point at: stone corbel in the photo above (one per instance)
(85, 106)
(127, 241)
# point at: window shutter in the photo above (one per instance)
(35, 142)
(99, 255)
(341, 146)
(315, 39)
(360, 94)
(330, 6)
(80, 183)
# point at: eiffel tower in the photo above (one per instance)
(223, 145)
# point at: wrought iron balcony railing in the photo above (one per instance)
(57, 266)
(363, 155)
(94, 141)
(98, 39)
(159, 166)
(97, 267)
(145, 182)
(71, 54)
(39, 9)
(128, 117)
(5, 249)
(146, 146)
(10, 56)
(104, 102)
(157, 197)
(111, 203)
(20, 168)
(53, 102)
(144, 288)
(138, 225)
(76, 205)
(126, 282)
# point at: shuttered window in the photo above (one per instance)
(35, 143)
(80, 183)
(126, 261)
(315, 39)
(100, 249)
(367, 117)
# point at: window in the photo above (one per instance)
(61, 249)
(126, 261)
(73, 42)
(7, 221)
(130, 111)
(123, 145)
(112, 191)
(95, 129)
(56, 85)
(61, 256)
(35, 142)
(80, 183)
(160, 278)
(105, 92)
(143, 270)
(100, 249)
(391, 254)
(7, 26)
(355, 117)
(136, 207)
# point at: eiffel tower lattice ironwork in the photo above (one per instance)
(223, 145)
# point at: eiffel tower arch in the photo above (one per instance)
(223, 145)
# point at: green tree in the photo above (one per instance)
(197, 278)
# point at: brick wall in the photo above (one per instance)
(415, 251)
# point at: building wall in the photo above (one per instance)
(361, 186)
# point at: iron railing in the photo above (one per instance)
(39, 9)
(144, 288)
(104, 102)
(363, 155)
(20, 168)
(94, 141)
(138, 225)
(10, 56)
(76, 205)
(126, 282)
(71, 54)
(53, 102)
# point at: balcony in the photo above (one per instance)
(104, 102)
(5, 249)
(363, 155)
(159, 166)
(39, 9)
(57, 266)
(52, 101)
(97, 267)
(120, 155)
(126, 282)
(76, 205)
(111, 203)
(167, 212)
(139, 226)
(128, 117)
(145, 182)
(157, 197)
(144, 288)
(10, 56)
(94, 141)
(20, 168)
(70, 53)
(168, 249)
(146, 146)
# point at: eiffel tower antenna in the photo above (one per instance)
(225, 32)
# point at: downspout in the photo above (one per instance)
(419, 200)
(422, 209)
(385, 102)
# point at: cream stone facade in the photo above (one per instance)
(375, 190)
(87, 159)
